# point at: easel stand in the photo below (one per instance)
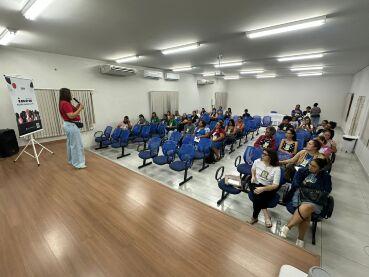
(35, 155)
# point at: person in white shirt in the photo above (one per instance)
(266, 175)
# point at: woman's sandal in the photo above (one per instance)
(253, 220)
(268, 223)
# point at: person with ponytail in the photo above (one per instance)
(312, 186)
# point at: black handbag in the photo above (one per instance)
(313, 195)
(78, 124)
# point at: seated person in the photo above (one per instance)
(307, 111)
(267, 140)
(229, 110)
(246, 114)
(230, 132)
(189, 127)
(125, 124)
(265, 179)
(220, 115)
(239, 127)
(182, 123)
(202, 111)
(306, 125)
(165, 119)
(309, 179)
(322, 127)
(297, 111)
(142, 120)
(227, 115)
(202, 131)
(177, 115)
(154, 118)
(289, 144)
(285, 125)
(172, 123)
(217, 137)
(213, 115)
(294, 122)
(194, 117)
(330, 144)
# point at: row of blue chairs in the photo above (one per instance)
(118, 139)
(186, 154)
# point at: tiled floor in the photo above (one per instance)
(341, 240)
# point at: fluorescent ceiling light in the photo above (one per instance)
(228, 64)
(179, 49)
(7, 36)
(307, 68)
(300, 57)
(178, 69)
(208, 74)
(305, 74)
(288, 27)
(254, 71)
(128, 59)
(232, 77)
(262, 76)
(34, 8)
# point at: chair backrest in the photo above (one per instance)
(226, 122)
(212, 125)
(235, 118)
(154, 145)
(328, 207)
(251, 154)
(161, 130)
(175, 136)
(107, 131)
(188, 139)
(116, 133)
(153, 128)
(248, 125)
(204, 145)
(267, 120)
(124, 135)
(136, 130)
(282, 180)
(279, 135)
(169, 147)
(206, 118)
(254, 124)
(186, 152)
(302, 134)
(145, 133)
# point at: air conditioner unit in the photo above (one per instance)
(116, 70)
(169, 76)
(219, 74)
(203, 82)
(153, 74)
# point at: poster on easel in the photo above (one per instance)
(25, 106)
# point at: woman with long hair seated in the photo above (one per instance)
(313, 185)
(289, 144)
(265, 179)
(217, 138)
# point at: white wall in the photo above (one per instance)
(113, 96)
(261, 96)
(360, 87)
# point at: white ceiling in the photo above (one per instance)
(110, 29)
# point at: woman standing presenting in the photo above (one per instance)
(70, 115)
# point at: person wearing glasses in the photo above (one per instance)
(289, 144)
(312, 185)
(266, 175)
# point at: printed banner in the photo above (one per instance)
(25, 105)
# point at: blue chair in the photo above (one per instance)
(135, 133)
(206, 118)
(143, 137)
(279, 135)
(113, 138)
(275, 201)
(302, 137)
(175, 136)
(188, 139)
(151, 152)
(267, 121)
(169, 153)
(258, 120)
(253, 127)
(212, 125)
(186, 155)
(100, 136)
(247, 128)
(153, 128)
(235, 118)
(203, 151)
(122, 143)
(250, 155)
(226, 122)
(284, 156)
(160, 131)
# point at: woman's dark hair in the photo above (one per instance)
(315, 104)
(306, 117)
(229, 109)
(220, 123)
(287, 117)
(331, 132)
(272, 130)
(317, 144)
(325, 121)
(333, 124)
(203, 123)
(293, 133)
(65, 95)
(231, 122)
(274, 161)
(322, 163)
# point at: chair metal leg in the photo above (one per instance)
(231, 150)
(239, 143)
(185, 178)
(204, 165)
(101, 146)
(313, 229)
(123, 155)
(144, 164)
(224, 197)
